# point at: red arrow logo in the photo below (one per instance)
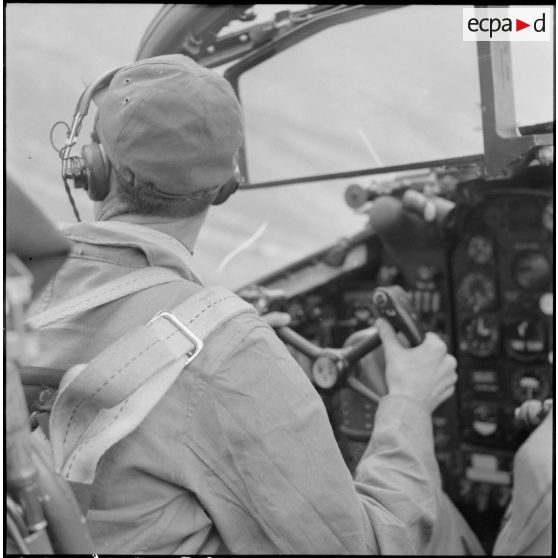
(519, 25)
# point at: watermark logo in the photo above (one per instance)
(508, 24)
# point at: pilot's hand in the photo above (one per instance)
(425, 373)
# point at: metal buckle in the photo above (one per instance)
(188, 333)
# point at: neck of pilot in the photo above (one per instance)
(185, 230)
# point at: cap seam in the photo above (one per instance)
(140, 103)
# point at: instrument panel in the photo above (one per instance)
(502, 269)
(486, 287)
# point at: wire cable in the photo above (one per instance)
(71, 198)
(64, 154)
(53, 127)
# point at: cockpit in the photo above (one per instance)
(383, 149)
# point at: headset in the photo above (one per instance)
(90, 170)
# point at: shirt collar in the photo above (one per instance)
(159, 248)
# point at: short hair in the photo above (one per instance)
(132, 198)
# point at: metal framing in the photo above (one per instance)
(505, 148)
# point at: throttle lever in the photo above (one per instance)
(392, 303)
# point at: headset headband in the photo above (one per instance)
(84, 101)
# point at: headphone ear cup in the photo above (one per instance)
(226, 191)
(97, 170)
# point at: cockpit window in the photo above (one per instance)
(377, 91)
(392, 88)
(533, 81)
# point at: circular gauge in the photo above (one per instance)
(496, 216)
(532, 270)
(476, 292)
(548, 217)
(531, 383)
(480, 249)
(485, 418)
(525, 340)
(324, 372)
(480, 336)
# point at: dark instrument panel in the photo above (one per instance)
(484, 283)
(501, 273)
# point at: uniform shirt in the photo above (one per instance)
(243, 459)
(527, 525)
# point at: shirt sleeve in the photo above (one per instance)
(274, 480)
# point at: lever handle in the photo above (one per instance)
(291, 337)
(392, 303)
(532, 412)
(353, 353)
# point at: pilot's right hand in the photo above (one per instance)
(425, 373)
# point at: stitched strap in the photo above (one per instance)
(131, 283)
(102, 402)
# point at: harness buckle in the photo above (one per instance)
(187, 332)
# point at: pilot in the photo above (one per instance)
(238, 456)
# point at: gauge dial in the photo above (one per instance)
(532, 270)
(480, 336)
(476, 292)
(485, 418)
(480, 249)
(325, 372)
(525, 340)
(531, 383)
(496, 216)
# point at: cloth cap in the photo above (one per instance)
(174, 124)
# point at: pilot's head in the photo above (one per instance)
(171, 130)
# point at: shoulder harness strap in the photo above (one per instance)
(102, 402)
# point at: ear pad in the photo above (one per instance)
(227, 190)
(97, 170)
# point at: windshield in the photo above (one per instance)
(533, 81)
(373, 92)
(357, 95)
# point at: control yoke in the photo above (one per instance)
(331, 366)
